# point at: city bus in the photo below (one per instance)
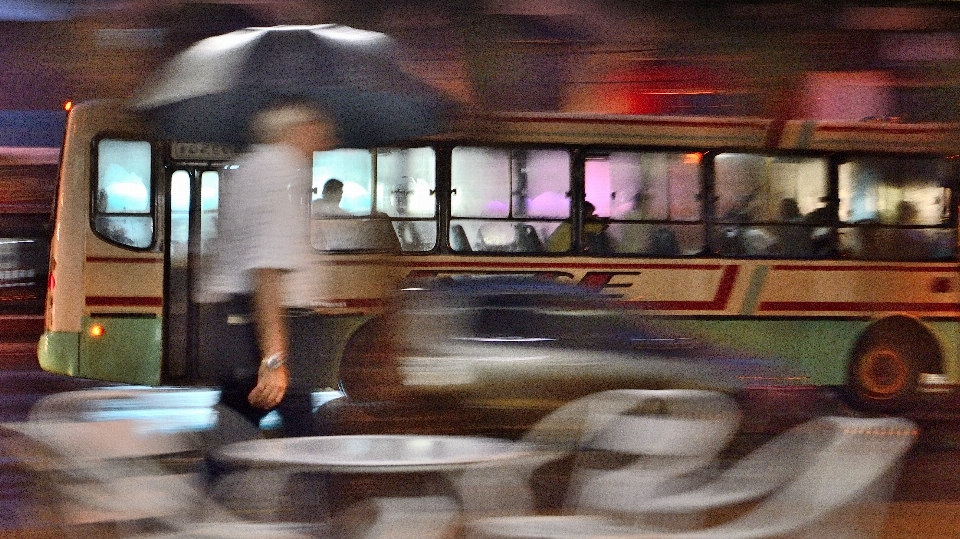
(831, 245)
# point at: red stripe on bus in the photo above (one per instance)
(856, 306)
(889, 129)
(719, 302)
(123, 260)
(756, 124)
(867, 267)
(124, 301)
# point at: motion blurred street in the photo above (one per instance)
(925, 503)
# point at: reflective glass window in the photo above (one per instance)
(406, 192)
(896, 208)
(354, 170)
(179, 217)
(652, 201)
(123, 193)
(507, 200)
(209, 207)
(770, 206)
(381, 200)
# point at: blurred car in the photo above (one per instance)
(493, 355)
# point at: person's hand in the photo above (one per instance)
(271, 387)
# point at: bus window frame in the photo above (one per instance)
(708, 219)
(953, 218)
(703, 220)
(950, 224)
(446, 218)
(156, 159)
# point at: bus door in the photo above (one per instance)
(193, 201)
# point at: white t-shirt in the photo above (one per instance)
(263, 221)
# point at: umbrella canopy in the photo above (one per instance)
(208, 92)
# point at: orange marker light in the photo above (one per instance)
(68, 105)
(692, 158)
(96, 330)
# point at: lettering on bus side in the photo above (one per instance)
(203, 151)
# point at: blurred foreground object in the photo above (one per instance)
(208, 92)
(126, 477)
(837, 488)
(493, 355)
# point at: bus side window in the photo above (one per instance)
(123, 193)
(653, 200)
(770, 206)
(386, 200)
(897, 208)
(406, 192)
(507, 200)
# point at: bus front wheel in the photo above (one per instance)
(883, 375)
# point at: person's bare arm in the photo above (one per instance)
(272, 335)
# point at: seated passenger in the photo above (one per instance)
(594, 238)
(329, 203)
(821, 237)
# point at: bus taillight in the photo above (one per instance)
(96, 331)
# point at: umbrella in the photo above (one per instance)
(208, 92)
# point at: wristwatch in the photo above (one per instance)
(273, 361)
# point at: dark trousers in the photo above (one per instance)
(232, 339)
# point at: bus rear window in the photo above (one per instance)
(122, 205)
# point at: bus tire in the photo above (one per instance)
(884, 371)
(368, 370)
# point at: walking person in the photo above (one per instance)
(263, 235)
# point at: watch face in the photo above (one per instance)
(273, 362)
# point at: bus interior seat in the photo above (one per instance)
(664, 242)
(355, 234)
(498, 237)
(527, 239)
(458, 239)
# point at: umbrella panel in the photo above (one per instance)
(355, 80)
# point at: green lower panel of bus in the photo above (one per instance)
(821, 349)
(58, 352)
(128, 350)
(119, 349)
(124, 350)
